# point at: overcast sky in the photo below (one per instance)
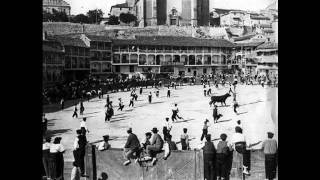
(83, 6)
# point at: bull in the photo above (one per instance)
(222, 99)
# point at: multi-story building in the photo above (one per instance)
(170, 55)
(52, 62)
(246, 56)
(58, 5)
(117, 9)
(100, 55)
(77, 56)
(267, 55)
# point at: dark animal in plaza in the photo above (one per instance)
(221, 99)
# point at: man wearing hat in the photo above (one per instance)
(104, 145)
(155, 147)
(269, 147)
(132, 146)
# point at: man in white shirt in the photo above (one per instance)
(83, 126)
(45, 156)
(166, 128)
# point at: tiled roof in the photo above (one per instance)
(249, 44)
(55, 3)
(244, 37)
(69, 41)
(173, 41)
(268, 46)
(99, 38)
(259, 17)
(123, 5)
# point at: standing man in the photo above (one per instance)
(45, 156)
(131, 101)
(83, 126)
(166, 128)
(270, 148)
(62, 103)
(150, 97)
(75, 114)
(81, 107)
(175, 111)
(79, 149)
(132, 146)
(108, 100)
(120, 105)
(215, 114)
(44, 124)
(168, 92)
(223, 150)
(209, 153)
(205, 129)
(235, 106)
(185, 140)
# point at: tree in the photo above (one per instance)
(113, 20)
(95, 16)
(80, 18)
(55, 16)
(127, 18)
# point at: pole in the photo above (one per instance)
(96, 16)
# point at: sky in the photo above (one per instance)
(83, 6)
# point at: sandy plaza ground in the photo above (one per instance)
(258, 112)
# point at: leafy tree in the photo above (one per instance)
(80, 18)
(113, 20)
(95, 16)
(55, 16)
(60, 16)
(47, 16)
(127, 17)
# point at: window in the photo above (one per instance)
(117, 68)
(189, 70)
(131, 68)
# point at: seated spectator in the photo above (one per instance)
(104, 145)
(132, 146)
(155, 147)
(147, 140)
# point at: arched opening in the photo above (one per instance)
(151, 60)
(192, 60)
(133, 58)
(142, 59)
(159, 59)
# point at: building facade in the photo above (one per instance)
(117, 9)
(77, 56)
(170, 55)
(52, 62)
(58, 5)
(202, 12)
(267, 56)
(100, 55)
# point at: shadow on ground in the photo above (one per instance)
(51, 133)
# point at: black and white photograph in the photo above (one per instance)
(159, 90)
